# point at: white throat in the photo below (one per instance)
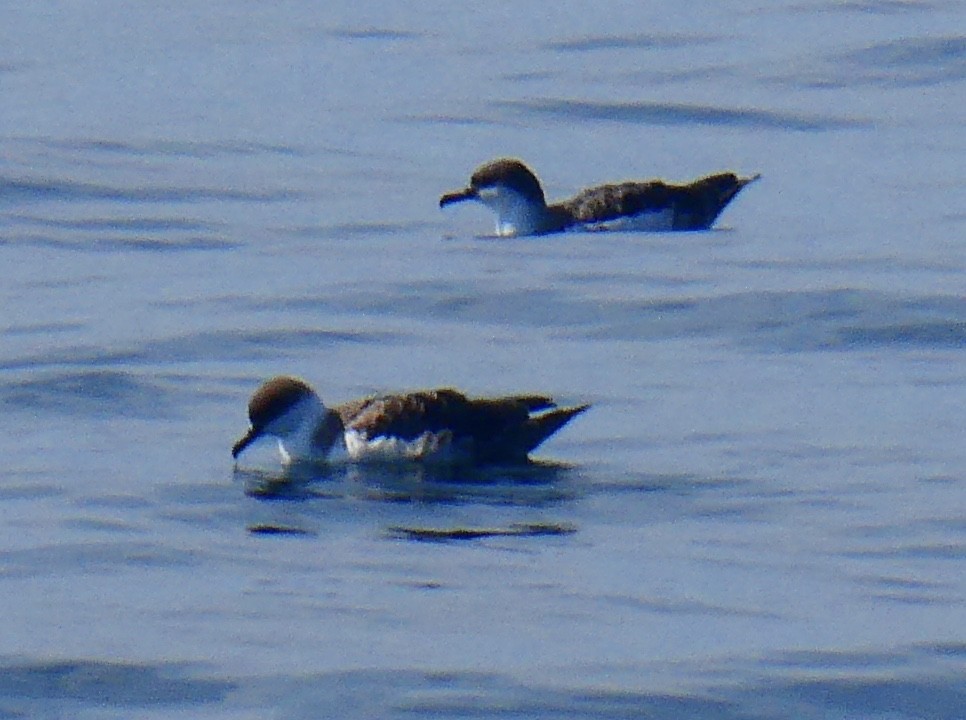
(296, 431)
(516, 214)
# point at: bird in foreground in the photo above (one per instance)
(441, 425)
(512, 191)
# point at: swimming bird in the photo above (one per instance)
(512, 191)
(441, 425)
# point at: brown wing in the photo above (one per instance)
(348, 411)
(607, 202)
(695, 205)
(488, 430)
(409, 415)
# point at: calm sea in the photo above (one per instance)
(763, 515)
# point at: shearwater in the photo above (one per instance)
(439, 425)
(513, 192)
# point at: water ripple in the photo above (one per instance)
(98, 684)
(656, 113)
(466, 694)
(833, 319)
(909, 62)
(103, 244)
(22, 189)
(90, 557)
(340, 231)
(373, 33)
(117, 223)
(205, 346)
(628, 42)
(872, 7)
(794, 321)
(100, 393)
(167, 148)
(950, 334)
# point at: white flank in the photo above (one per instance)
(657, 221)
(387, 449)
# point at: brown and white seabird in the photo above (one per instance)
(512, 191)
(441, 425)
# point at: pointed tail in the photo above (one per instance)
(729, 185)
(539, 428)
(718, 191)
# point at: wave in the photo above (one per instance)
(207, 346)
(910, 62)
(635, 41)
(658, 113)
(95, 683)
(834, 319)
(89, 393)
(22, 189)
(815, 684)
(164, 148)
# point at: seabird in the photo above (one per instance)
(512, 191)
(441, 425)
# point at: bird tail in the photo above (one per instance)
(742, 181)
(540, 427)
(721, 190)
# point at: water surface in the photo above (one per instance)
(760, 517)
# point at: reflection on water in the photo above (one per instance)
(532, 484)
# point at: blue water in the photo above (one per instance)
(762, 515)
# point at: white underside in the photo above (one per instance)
(356, 447)
(659, 221)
